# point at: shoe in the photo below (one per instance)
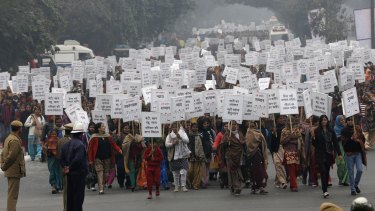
(329, 184)
(54, 191)
(184, 189)
(175, 189)
(314, 185)
(353, 193)
(149, 196)
(109, 186)
(157, 193)
(101, 192)
(325, 195)
(304, 181)
(196, 188)
(93, 189)
(254, 191)
(263, 191)
(345, 184)
(133, 189)
(294, 190)
(284, 185)
(357, 189)
(237, 193)
(121, 186)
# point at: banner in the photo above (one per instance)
(151, 125)
(53, 104)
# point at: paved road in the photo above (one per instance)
(35, 196)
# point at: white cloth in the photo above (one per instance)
(181, 149)
(29, 122)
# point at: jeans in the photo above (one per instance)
(351, 161)
(35, 149)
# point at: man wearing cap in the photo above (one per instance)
(12, 162)
(74, 162)
(60, 144)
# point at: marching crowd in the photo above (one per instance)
(189, 153)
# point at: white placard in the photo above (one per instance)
(53, 104)
(320, 104)
(104, 102)
(146, 93)
(151, 125)
(233, 107)
(350, 102)
(71, 112)
(4, 78)
(260, 104)
(178, 104)
(210, 104)
(326, 84)
(264, 83)
(38, 90)
(359, 73)
(114, 87)
(248, 111)
(116, 108)
(92, 88)
(288, 102)
(99, 116)
(134, 88)
(232, 74)
(300, 88)
(23, 70)
(273, 101)
(307, 103)
(131, 109)
(22, 83)
(72, 98)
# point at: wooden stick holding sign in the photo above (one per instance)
(118, 127)
(274, 125)
(290, 121)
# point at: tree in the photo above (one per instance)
(103, 24)
(27, 28)
(294, 13)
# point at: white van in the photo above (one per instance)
(71, 51)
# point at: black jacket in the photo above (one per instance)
(324, 149)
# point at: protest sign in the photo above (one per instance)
(198, 106)
(151, 125)
(131, 109)
(146, 93)
(99, 116)
(350, 102)
(359, 72)
(38, 90)
(4, 78)
(92, 88)
(22, 83)
(307, 103)
(248, 111)
(104, 102)
(114, 87)
(23, 70)
(288, 102)
(71, 112)
(82, 117)
(264, 83)
(209, 98)
(231, 74)
(320, 104)
(134, 88)
(300, 88)
(116, 108)
(326, 84)
(53, 104)
(233, 107)
(72, 98)
(260, 104)
(273, 101)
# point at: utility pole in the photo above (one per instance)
(372, 24)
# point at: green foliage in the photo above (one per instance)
(28, 27)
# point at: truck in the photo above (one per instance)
(71, 50)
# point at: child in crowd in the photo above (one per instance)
(153, 157)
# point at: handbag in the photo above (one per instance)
(91, 177)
